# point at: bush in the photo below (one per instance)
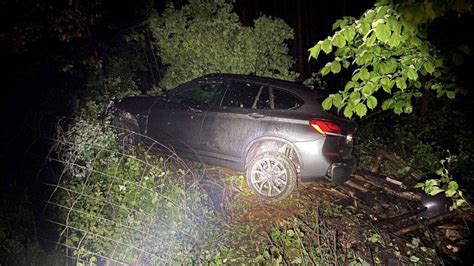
(207, 37)
(127, 206)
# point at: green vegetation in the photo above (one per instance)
(207, 37)
(436, 186)
(390, 55)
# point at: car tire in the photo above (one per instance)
(126, 126)
(271, 176)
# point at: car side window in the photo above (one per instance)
(196, 94)
(246, 95)
(285, 100)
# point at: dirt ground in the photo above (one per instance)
(381, 221)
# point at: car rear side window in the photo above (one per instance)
(285, 100)
(246, 95)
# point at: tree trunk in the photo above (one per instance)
(299, 41)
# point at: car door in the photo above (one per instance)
(240, 117)
(178, 121)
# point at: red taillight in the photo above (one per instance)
(323, 127)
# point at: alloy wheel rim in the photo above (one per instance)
(269, 177)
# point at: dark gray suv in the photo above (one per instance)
(274, 130)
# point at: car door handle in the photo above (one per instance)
(256, 115)
(194, 110)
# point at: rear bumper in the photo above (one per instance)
(315, 166)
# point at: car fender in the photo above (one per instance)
(247, 150)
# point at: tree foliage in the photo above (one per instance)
(206, 37)
(391, 56)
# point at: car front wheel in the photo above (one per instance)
(271, 176)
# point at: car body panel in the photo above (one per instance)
(229, 130)
(176, 124)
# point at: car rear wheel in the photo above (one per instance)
(271, 176)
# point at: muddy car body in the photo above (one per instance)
(274, 130)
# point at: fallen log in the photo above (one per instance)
(381, 184)
(396, 182)
(404, 194)
(398, 218)
(356, 186)
(421, 224)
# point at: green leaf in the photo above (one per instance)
(338, 24)
(395, 40)
(451, 94)
(326, 46)
(355, 95)
(384, 68)
(345, 63)
(349, 33)
(348, 111)
(371, 40)
(364, 28)
(387, 104)
(364, 73)
(411, 73)
(314, 51)
(382, 32)
(371, 102)
(327, 103)
(326, 69)
(290, 233)
(335, 67)
(361, 109)
(368, 88)
(349, 85)
(453, 185)
(408, 109)
(458, 203)
(337, 100)
(434, 190)
(339, 40)
(398, 108)
(429, 67)
(401, 83)
(450, 193)
(366, 58)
